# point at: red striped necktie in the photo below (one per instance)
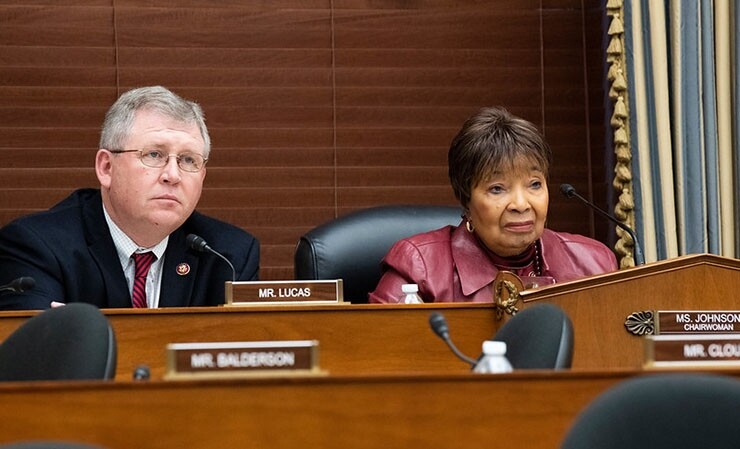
(142, 264)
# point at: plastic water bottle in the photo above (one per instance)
(494, 358)
(411, 294)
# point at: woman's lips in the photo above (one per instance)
(525, 226)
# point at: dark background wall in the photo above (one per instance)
(315, 107)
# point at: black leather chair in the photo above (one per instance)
(540, 336)
(661, 411)
(351, 247)
(71, 342)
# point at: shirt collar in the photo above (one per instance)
(474, 267)
(125, 247)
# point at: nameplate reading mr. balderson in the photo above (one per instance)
(228, 359)
(284, 292)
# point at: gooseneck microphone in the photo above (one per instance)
(198, 244)
(439, 325)
(19, 285)
(570, 192)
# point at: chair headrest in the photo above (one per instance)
(351, 247)
(661, 411)
(538, 337)
(74, 341)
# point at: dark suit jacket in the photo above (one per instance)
(69, 252)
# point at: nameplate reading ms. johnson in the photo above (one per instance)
(697, 322)
(229, 359)
(698, 351)
(248, 293)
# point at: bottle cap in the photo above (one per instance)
(410, 288)
(491, 347)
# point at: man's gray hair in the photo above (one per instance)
(120, 116)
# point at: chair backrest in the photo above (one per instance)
(661, 411)
(540, 336)
(351, 247)
(64, 343)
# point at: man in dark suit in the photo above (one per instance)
(125, 244)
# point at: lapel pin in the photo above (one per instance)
(183, 269)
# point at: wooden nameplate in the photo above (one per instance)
(242, 359)
(245, 293)
(697, 322)
(683, 322)
(692, 351)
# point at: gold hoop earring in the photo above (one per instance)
(469, 225)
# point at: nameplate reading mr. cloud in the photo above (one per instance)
(692, 350)
(241, 358)
(284, 292)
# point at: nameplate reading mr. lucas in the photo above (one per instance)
(284, 292)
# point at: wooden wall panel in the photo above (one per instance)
(255, 69)
(57, 77)
(315, 107)
(578, 160)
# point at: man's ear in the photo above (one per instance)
(103, 166)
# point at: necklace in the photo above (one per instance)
(529, 263)
(537, 260)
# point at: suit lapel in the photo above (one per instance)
(101, 247)
(179, 272)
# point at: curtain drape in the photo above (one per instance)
(675, 93)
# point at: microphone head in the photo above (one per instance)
(24, 283)
(439, 325)
(141, 373)
(196, 243)
(567, 190)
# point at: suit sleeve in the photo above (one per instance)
(249, 271)
(24, 252)
(402, 265)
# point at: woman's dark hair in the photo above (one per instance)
(492, 140)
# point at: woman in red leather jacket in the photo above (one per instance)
(498, 168)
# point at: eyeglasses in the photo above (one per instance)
(189, 162)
